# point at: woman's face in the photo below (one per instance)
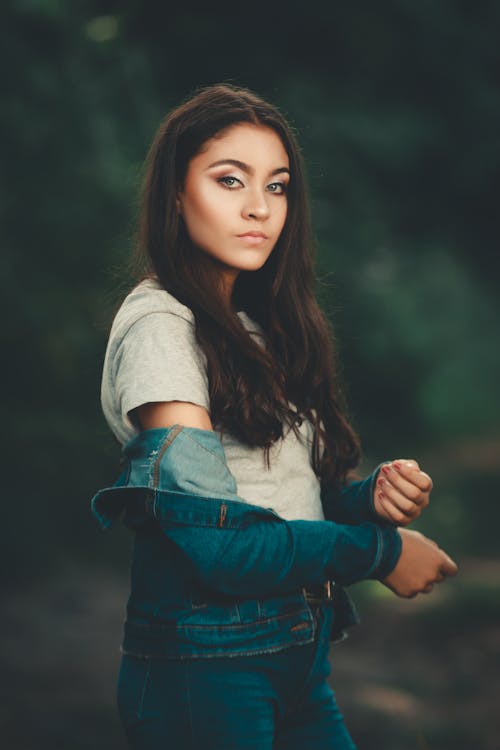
(235, 186)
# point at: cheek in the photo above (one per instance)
(205, 210)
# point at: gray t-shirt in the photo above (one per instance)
(152, 355)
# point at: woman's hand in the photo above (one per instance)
(401, 492)
(421, 564)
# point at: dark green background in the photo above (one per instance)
(396, 106)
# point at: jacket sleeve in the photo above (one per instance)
(239, 548)
(352, 503)
(268, 557)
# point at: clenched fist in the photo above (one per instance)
(421, 564)
(401, 492)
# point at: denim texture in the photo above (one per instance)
(278, 701)
(215, 576)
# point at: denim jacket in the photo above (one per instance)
(213, 575)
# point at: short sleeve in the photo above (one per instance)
(158, 359)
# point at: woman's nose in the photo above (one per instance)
(256, 205)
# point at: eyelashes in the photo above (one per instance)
(223, 181)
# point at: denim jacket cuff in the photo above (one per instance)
(353, 503)
(390, 545)
(374, 516)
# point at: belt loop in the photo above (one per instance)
(321, 593)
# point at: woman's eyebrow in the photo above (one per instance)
(245, 167)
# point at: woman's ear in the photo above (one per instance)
(178, 205)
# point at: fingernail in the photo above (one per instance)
(386, 469)
(397, 465)
(381, 494)
(380, 480)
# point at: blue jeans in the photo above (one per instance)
(273, 701)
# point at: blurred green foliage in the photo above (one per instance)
(397, 109)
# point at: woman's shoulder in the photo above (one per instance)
(148, 297)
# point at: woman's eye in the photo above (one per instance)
(232, 180)
(282, 187)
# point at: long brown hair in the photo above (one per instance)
(249, 385)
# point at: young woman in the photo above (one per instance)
(219, 382)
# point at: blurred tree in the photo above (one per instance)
(397, 110)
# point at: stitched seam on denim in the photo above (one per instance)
(173, 433)
(200, 445)
(317, 629)
(233, 525)
(151, 458)
(230, 626)
(143, 693)
(204, 655)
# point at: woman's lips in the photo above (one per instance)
(252, 239)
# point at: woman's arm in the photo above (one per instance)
(168, 413)
(351, 504)
(265, 553)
